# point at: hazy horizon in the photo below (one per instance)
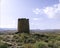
(42, 14)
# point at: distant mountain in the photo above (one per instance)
(7, 29)
(47, 30)
(1, 29)
(11, 30)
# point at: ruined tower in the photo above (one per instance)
(23, 25)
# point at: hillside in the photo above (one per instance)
(24, 40)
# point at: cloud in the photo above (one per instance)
(35, 18)
(39, 19)
(36, 11)
(50, 11)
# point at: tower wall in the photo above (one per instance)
(23, 25)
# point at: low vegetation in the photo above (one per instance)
(24, 40)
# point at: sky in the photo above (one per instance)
(42, 14)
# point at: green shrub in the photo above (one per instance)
(4, 45)
(41, 45)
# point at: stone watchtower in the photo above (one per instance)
(23, 25)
